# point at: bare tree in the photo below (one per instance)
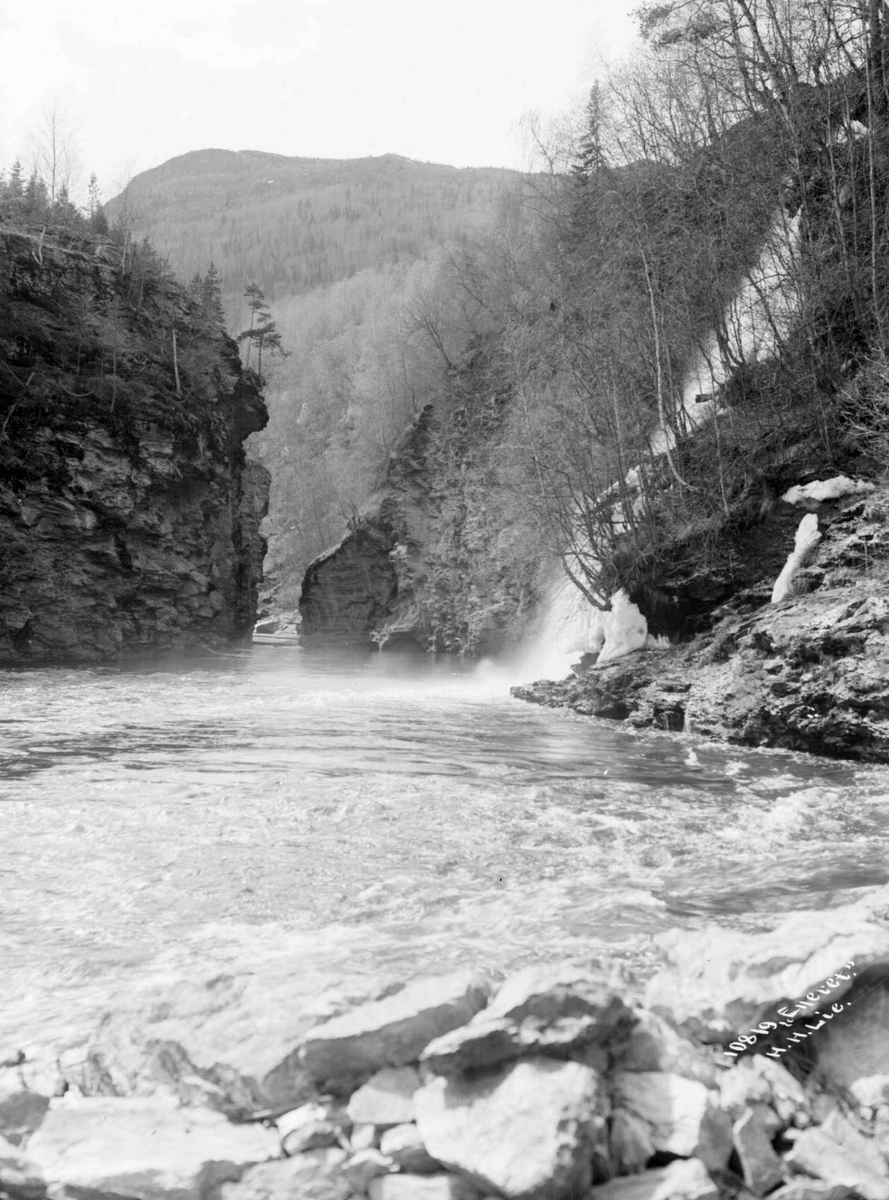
(550, 141)
(55, 153)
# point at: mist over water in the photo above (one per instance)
(378, 813)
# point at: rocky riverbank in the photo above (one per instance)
(752, 1064)
(806, 673)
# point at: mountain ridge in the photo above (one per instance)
(297, 223)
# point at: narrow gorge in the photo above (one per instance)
(445, 642)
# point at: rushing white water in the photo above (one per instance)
(754, 326)
(756, 322)
(570, 626)
(376, 814)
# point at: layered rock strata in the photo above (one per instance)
(758, 1065)
(129, 517)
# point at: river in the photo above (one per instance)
(377, 813)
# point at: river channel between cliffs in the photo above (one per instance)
(377, 815)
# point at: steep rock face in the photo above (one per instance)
(129, 519)
(440, 557)
(350, 590)
(808, 673)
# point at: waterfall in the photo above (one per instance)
(570, 627)
(754, 325)
(756, 321)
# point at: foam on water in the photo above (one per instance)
(377, 814)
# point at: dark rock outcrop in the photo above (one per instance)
(129, 517)
(440, 557)
(349, 591)
(808, 673)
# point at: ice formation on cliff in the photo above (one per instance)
(807, 537)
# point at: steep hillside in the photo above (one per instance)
(446, 555)
(682, 340)
(546, 397)
(129, 518)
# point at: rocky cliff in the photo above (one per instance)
(805, 673)
(129, 517)
(442, 557)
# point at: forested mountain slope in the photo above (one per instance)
(351, 255)
(296, 224)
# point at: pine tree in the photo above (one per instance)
(590, 155)
(63, 210)
(95, 196)
(211, 300)
(99, 222)
(16, 186)
(36, 198)
(263, 332)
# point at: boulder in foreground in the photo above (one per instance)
(391, 1032)
(542, 1009)
(528, 1131)
(422, 1187)
(144, 1148)
(684, 1179)
(682, 1116)
(315, 1175)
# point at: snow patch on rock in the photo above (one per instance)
(827, 489)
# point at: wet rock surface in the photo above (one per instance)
(724, 981)
(807, 673)
(232, 1042)
(349, 590)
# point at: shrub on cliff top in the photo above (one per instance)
(102, 326)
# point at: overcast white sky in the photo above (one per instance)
(440, 80)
